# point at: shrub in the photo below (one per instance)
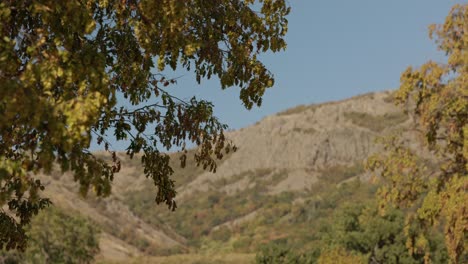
(279, 253)
(376, 123)
(57, 237)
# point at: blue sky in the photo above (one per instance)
(336, 49)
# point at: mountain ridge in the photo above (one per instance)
(283, 153)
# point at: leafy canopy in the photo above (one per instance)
(361, 230)
(64, 64)
(58, 237)
(436, 95)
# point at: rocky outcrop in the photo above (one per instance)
(306, 139)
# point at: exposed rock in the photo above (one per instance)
(305, 139)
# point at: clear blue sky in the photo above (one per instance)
(336, 49)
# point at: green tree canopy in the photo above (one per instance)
(360, 229)
(436, 95)
(57, 237)
(279, 253)
(64, 64)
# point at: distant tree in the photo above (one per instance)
(437, 96)
(360, 230)
(82, 70)
(57, 237)
(340, 256)
(280, 253)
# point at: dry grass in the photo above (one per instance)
(304, 131)
(390, 98)
(376, 123)
(233, 258)
(296, 110)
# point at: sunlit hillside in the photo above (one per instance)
(290, 172)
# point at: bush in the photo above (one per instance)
(341, 256)
(376, 123)
(57, 237)
(279, 253)
(222, 234)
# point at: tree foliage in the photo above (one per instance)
(340, 256)
(360, 230)
(278, 253)
(65, 64)
(436, 95)
(57, 237)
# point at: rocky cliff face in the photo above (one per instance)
(304, 140)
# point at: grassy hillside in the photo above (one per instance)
(292, 175)
(211, 221)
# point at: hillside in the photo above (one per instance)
(285, 165)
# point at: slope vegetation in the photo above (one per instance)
(290, 171)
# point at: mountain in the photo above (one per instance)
(287, 174)
(302, 141)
